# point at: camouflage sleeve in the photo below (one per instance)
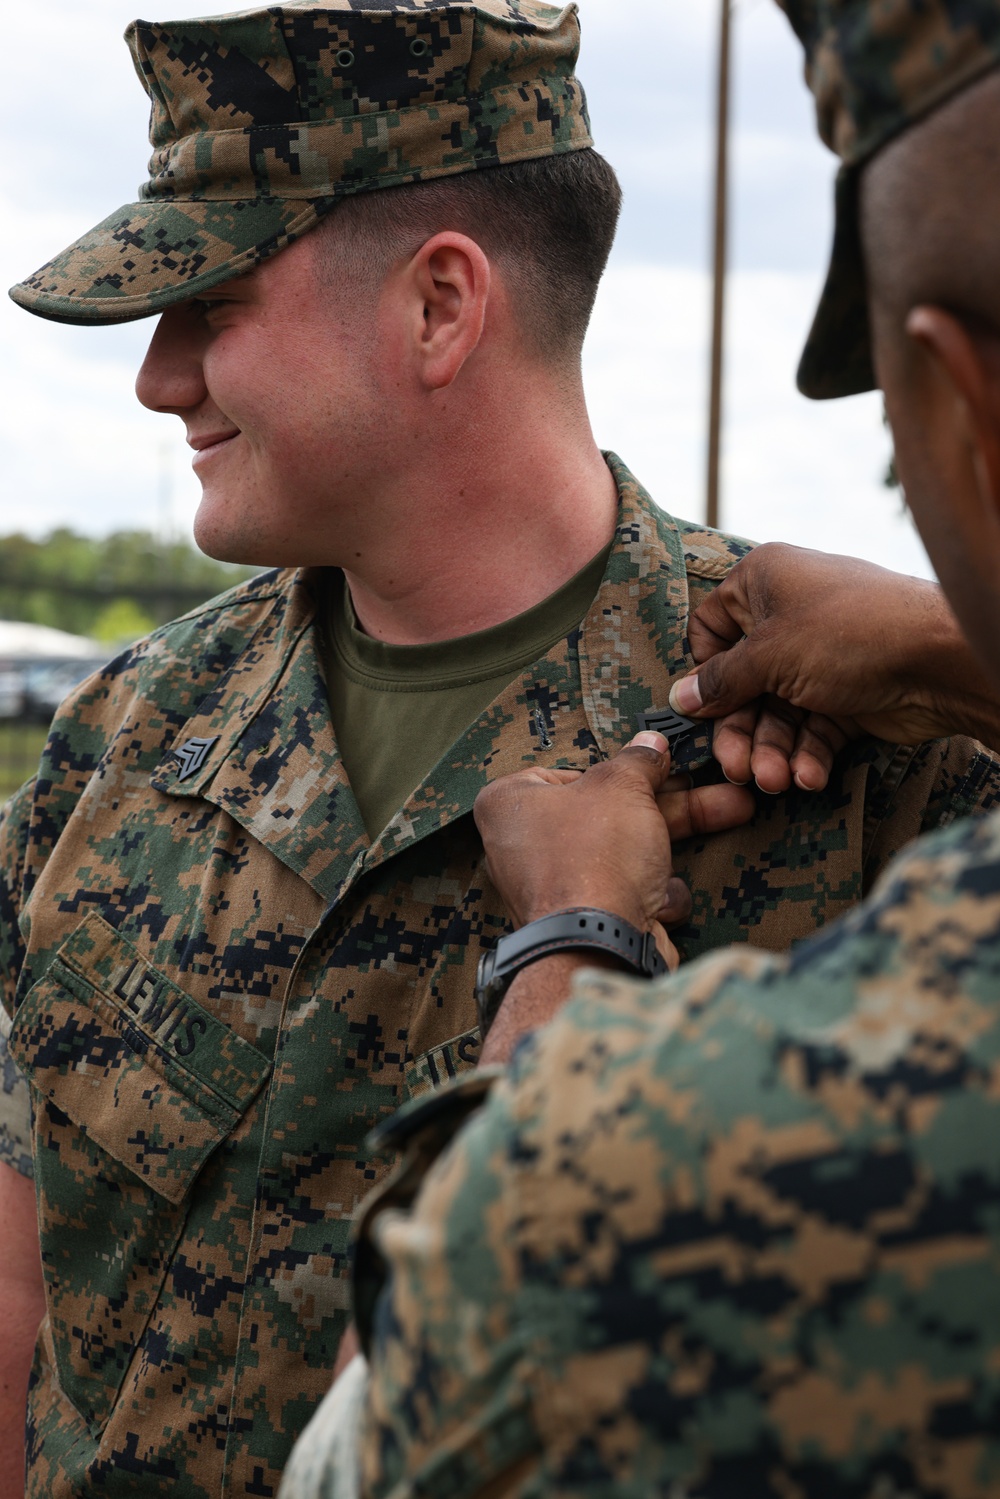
(14, 818)
(918, 790)
(15, 1106)
(15, 1110)
(732, 1233)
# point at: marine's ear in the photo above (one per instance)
(966, 363)
(450, 279)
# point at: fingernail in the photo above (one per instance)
(649, 740)
(732, 781)
(685, 695)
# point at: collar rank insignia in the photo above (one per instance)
(192, 754)
(666, 722)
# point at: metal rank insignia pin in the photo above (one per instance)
(192, 754)
(666, 722)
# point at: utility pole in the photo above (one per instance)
(719, 267)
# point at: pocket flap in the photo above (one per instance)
(144, 1071)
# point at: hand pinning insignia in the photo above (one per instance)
(192, 754)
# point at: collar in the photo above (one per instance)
(261, 746)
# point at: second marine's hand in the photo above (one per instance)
(800, 652)
(602, 839)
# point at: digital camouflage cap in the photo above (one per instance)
(875, 67)
(263, 120)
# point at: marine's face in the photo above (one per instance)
(275, 376)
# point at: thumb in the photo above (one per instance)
(647, 755)
(728, 681)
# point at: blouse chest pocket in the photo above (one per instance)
(134, 1086)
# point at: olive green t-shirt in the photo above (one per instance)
(396, 709)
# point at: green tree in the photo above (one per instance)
(71, 581)
(120, 623)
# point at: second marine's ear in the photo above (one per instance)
(961, 380)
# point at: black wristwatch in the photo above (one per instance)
(580, 927)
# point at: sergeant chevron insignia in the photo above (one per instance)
(666, 722)
(192, 754)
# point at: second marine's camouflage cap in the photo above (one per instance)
(263, 120)
(875, 67)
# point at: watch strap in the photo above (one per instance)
(579, 928)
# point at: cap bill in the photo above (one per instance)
(837, 359)
(151, 255)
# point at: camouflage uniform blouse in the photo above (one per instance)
(735, 1233)
(218, 986)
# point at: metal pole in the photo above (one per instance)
(719, 267)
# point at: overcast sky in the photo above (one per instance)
(79, 451)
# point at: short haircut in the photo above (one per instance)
(548, 225)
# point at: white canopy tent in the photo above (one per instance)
(23, 642)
